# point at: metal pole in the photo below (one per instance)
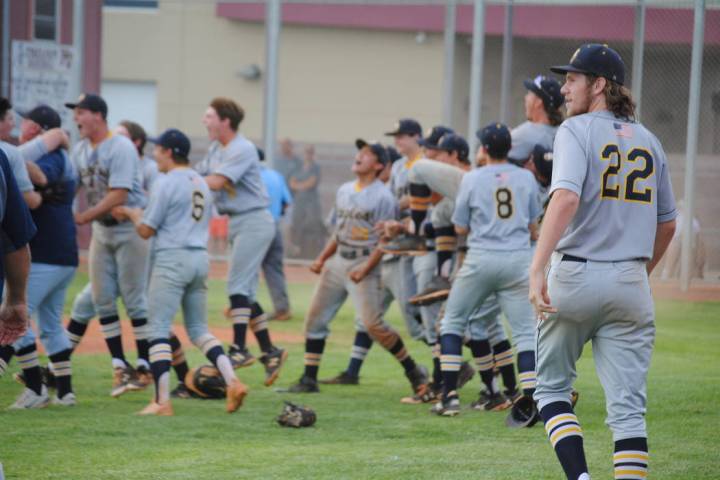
(692, 139)
(272, 40)
(476, 71)
(638, 56)
(448, 82)
(79, 43)
(506, 78)
(6, 49)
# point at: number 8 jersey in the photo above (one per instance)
(498, 203)
(620, 172)
(179, 210)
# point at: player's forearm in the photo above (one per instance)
(373, 260)
(663, 237)
(329, 250)
(560, 212)
(17, 268)
(461, 230)
(37, 177)
(33, 199)
(216, 182)
(114, 198)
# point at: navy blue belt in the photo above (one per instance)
(353, 254)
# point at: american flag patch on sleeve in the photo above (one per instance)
(623, 130)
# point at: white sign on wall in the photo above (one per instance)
(43, 73)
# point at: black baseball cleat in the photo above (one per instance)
(437, 290)
(182, 392)
(482, 400)
(466, 373)
(497, 402)
(419, 379)
(431, 395)
(240, 358)
(343, 378)
(513, 395)
(304, 385)
(449, 407)
(407, 244)
(273, 361)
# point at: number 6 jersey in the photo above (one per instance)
(498, 202)
(620, 172)
(179, 210)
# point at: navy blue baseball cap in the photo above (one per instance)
(433, 136)
(44, 116)
(175, 140)
(378, 150)
(495, 138)
(455, 143)
(406, 126)
(548, 89)
(542, 158)
(595, 59)
(393, 155)
(92, 102)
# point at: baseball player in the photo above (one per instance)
(17, 229)
(497, 207)
(54, 261)
(137, 135)
(610, 218)
(179, 217)
(110, 175)
(232, 171)
(347, 266)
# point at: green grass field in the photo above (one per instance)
(362, 431)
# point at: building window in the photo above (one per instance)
(45, 20)
(131, 3)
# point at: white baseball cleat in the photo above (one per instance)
(30, 399)
(68, 400)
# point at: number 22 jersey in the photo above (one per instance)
(179, 210)
(619, 170)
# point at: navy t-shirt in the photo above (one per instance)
(17, 226)
(55, 242)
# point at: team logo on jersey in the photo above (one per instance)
(623, 130)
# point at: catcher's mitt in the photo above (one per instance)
(296, 416)
(206, 382)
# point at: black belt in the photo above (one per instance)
(108, 222)
(573, 258)
(353, 254)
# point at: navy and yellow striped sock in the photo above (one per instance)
(445, 246)
(482, 354)
(450, 361)
(240, 310)
(75, 332)
(566, 437)
(360, 349)
(259, 326)
(314, 348)
(503, 358)
(160, 361)
(420, 199)
(62, 369)
(6, 353)
(113, 338)
(437, 367)
(179, 363)
(28, 361)
(631, 459)
(402, 355)
(141, 330)
(526, 371)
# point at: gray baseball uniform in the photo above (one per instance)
(356, 211)
(597, 279)
(180, 215)
(528, 134)
(150, 172)
(17, 164)
(117, 257)
(251, 226)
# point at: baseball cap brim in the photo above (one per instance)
(360, 143)
(424, 143)
(71, 106)
(562, 69)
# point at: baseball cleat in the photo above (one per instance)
(48, 377)
(482, 400)
(68, 400)
(234, 395)
(183, 392)
(273, 361)
(407, 244)
(496, 402)
(158, 409)
(449, 407)
(466, 373)
(143, 376)
(121, 379)
(418, 379)
(304, 385)
(30, 399)
(240, 358)
(431, 396)
(437, 290)
(343, 378)
(513, 396)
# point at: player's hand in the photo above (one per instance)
(539, 295)
(119, 213)
(404, 202)
(59, 136)
(317, 266)
(81, 218)
(358, 275)
(13, 322)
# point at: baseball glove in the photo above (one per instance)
(206, 382)
(296, 416)
(524, 413)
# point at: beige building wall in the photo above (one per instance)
(334, 84)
